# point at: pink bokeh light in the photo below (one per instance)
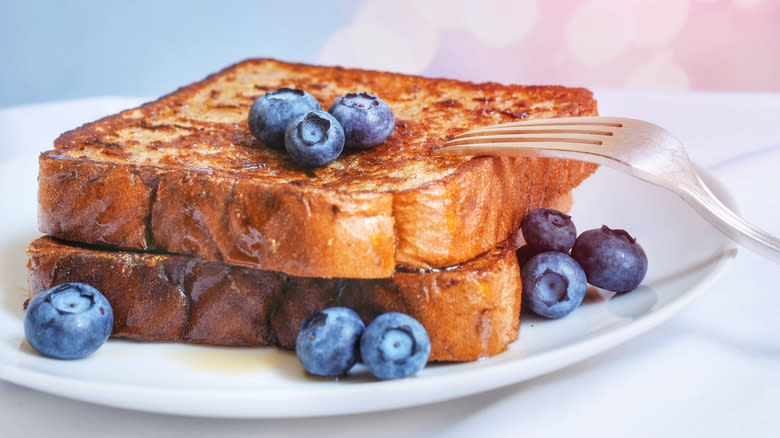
(724, 45)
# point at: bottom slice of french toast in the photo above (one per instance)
(470, 311)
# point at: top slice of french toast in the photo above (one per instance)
(183, 174)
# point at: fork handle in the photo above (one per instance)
(729, 223)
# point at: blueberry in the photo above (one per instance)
(395, 345)
(328, 342)
(367, 120)
(270, 114)
(545, 229)
(69, 321)
(612, 259)
(314, 139)
(553, 284)
(525, 253)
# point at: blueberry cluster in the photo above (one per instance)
(332, 341)
(293, 120)
(557, 265)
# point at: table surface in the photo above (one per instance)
(711, 370)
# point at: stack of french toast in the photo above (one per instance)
(196, 232)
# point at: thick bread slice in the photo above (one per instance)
(184, 175)
(470, 312)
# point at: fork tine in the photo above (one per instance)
(564, 151)
(548, 129)
(554, 148)
(596, 121)
(533, 134)
(586, 128)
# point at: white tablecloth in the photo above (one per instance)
(711, 370)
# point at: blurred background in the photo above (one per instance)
(56, 50)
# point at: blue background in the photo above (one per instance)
(55, 50)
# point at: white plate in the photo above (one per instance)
(685, 253)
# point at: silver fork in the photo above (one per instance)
(641, 149)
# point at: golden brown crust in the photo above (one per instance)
(469, 312)
(126, 180)
(470, 215)
(227, 305)
(115, 192)
(147, 303)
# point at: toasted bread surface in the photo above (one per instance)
(470, 312)
(184, 175)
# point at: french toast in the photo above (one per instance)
(183, 175)
(470, 311)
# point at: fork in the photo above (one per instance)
(638, 148)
